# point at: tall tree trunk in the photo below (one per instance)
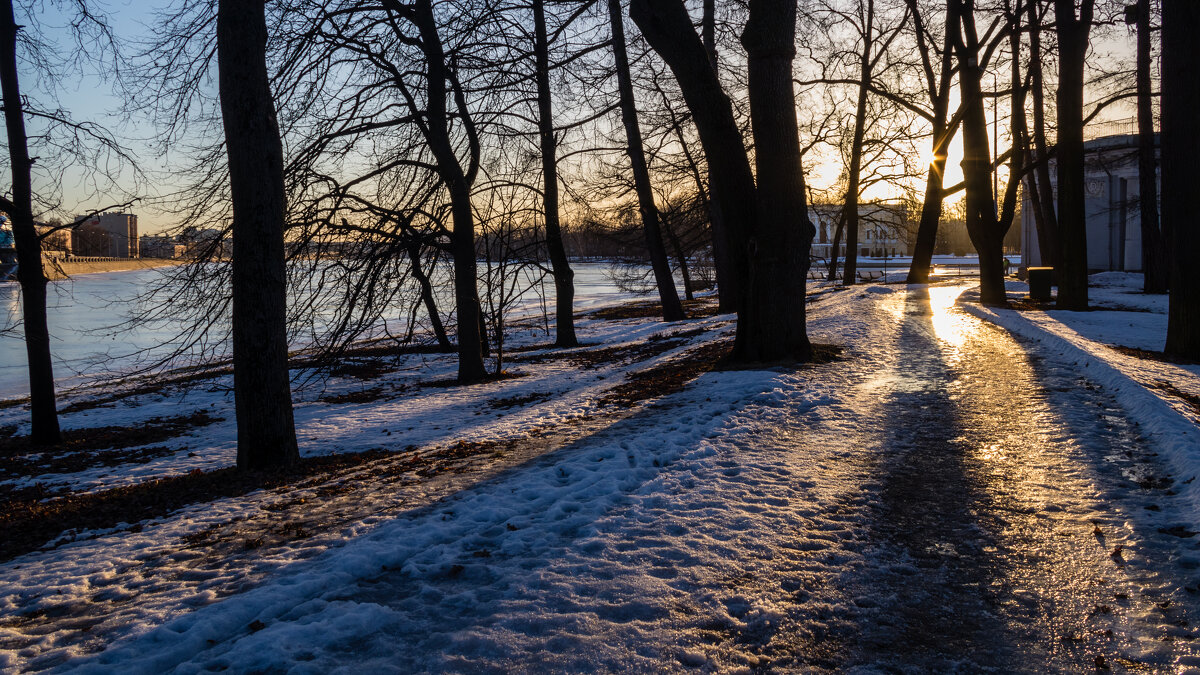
(931, 206)
(931, 213)
(261, 387)
(564, 285)
(1072, 219)
(458, 184)
(1155, 268)
(770, 258)
(835, 248)
(1033, 191)
(976, 165)
(856, 148)
(987, 225)
(466, 295)
(1180, 148)
(728, 289)
(44, 429)
(668, 28)
(671, 307)
(779, 247)
(1049, 245)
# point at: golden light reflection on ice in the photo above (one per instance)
(951, 326)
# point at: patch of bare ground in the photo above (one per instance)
(360, 362)
(368, 395)
(143, 386)
(1192, 400)
(1151, 355)
(672, 376)
(13, 402)
(667, 378)
(593, 358)
(1030, 305)
(31, 522)
(532, 398)
(699, 308)
(97, 446)
(491, 377)
(34, 517)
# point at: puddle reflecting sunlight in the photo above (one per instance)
(949, 324)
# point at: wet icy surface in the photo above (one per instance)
(942, 500)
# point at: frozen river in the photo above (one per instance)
(85, 310)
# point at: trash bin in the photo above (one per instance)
(1040, 280)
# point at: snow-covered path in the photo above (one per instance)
(939, 500)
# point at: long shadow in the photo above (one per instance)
(931, 562)
(431, 591)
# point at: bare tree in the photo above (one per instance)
(261, 386)
(1180, 148)
(564, 288)
(671, 307)
(60, 143)
(767, 229)
(29, 251)
(1155, 267)
(938, 87)
(987, 222)
(1072, 30)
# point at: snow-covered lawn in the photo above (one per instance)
(798, 518)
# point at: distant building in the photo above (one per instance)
(108, 235)
(206, 243)
(1111, 191)
(882, 230)
(55, 242)
(161, 246)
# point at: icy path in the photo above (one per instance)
(938, 501)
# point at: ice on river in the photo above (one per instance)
(86, 313)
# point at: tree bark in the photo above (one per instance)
(1155, 268)
(564, 285)
(1180, 148)
(44, 415)
(768, 233)
(1072, 220)
(778, 248)
(261, 385)
(1047, 223)
(835, 249)
(976, 165)
(987, 224)
(671, 307)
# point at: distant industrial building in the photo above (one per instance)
(108, 235)
(1111, 194)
